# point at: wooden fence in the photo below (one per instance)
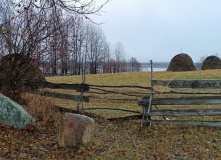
(194, 97)
(100, 92)
(45, 84)
(148, 102)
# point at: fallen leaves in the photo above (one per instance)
(21, 143)
(23, 155)
(40, 142)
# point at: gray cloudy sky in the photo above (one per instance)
(156, 29)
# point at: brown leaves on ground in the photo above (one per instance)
(27, 143)
(113, 140)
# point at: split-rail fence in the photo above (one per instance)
(191, 96)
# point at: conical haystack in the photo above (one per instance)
(181, 62)
(211, 62)
(14, 68)
(19, 67)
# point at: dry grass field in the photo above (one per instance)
(112, 139)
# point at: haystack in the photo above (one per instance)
(211, 62)
(13, 68)
(20, 67)
(181, 62)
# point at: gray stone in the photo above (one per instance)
(75, 130)
(13, 114)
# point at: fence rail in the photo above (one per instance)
(183, 101)
(195, 123)
(189, 83)
(45, 84)
(116, 92)
(125, 86)
(64, 96)
(186, 112)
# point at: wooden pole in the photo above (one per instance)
(151, 96)
(82, 91)
(146, 109)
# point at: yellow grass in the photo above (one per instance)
(136, 78)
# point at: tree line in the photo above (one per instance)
(60, 37)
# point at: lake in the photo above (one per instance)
(154, 69)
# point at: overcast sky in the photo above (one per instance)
(158, 29)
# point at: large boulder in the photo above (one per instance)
(75, 130)
(181, 62)
(13, 114)
(211, 62)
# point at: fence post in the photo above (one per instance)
(151, 96)
(82, 91)
(147, 109)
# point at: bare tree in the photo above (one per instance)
(95, 45)
(34, 29)
(135, 66)
(106, 58)
(119, 54)
(76, 7)
(76, 43)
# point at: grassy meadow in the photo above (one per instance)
(113, 139)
